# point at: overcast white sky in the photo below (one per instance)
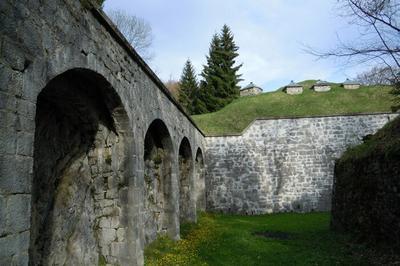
(270, 35)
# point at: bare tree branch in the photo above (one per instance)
(379, 38)
(373, 14)
(136, 30)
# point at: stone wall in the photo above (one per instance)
(89, 147)
(321, 88)
(294, 90)
(351, 86)
(249, 92)
(280, 165)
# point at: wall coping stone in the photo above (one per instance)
(294, 117)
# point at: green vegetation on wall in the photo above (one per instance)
(235, 117)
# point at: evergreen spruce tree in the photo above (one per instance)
(220, 79)
(199, 102)
(188, 87)
(212, 73)
(230, 71)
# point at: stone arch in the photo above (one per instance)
(158, 160)
(200, 182)
(185, 181)
(82, 166)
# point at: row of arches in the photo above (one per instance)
(158, 176)
(84, 167)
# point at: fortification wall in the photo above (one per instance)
(280, 165)
(76, 103)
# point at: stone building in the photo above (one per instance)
(351, 85)
(250, 89)
(293, 88)
(321, 86)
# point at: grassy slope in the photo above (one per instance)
(385, 141)
(229, 240)
(235, 117)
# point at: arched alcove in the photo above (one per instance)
(158, 154)
(200, 182)
(185, 180)
(82, 163)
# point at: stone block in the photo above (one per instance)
(8, 102)
(3, 215)
(26, 108)
(20, 260)
(25, 124)
(15, 172)
(116, 248)
(106, 203)
(121, 234)
(112, 193)
(18, 209)
(13, 54)
(115, 223)
(105, 222)
(8, 140)
(9, 246)
(10, 80)
(23, 242)
(25, 144)
(108, 235)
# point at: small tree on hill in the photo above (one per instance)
(188, 87)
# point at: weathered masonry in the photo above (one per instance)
(282, 164)
(96, 158)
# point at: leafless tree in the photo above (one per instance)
(376, 76)
(136, 30)
(173, 87)
(379, 39)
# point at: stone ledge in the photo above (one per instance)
(297, 117)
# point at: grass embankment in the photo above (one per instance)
(386, 141)
(293, 239)
(235, 117)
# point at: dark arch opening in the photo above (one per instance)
(81, 171)
(186, 213)
(200, 182)
(158, 154)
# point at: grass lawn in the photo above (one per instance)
(235, 117)
(296, 239)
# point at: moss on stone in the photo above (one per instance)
(102, 260)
